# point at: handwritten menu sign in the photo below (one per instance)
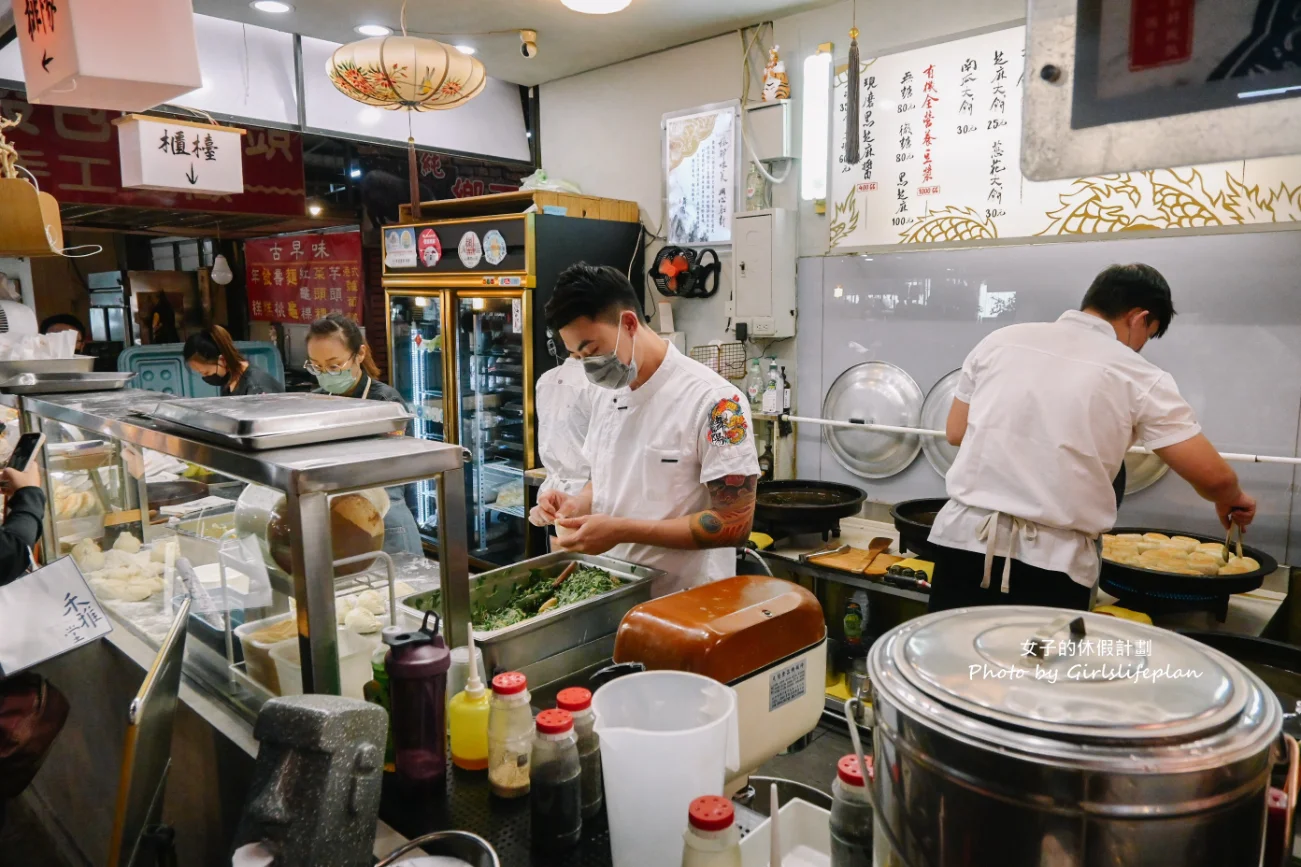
(700, 160)
(940, 135)
(302, 278)
(46, 614)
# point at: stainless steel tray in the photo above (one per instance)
(76, 364)
(270, 421)
(60, 383)
(557, 631)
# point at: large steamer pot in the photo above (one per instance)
(985, 766)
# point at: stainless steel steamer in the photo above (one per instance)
(1158, 758)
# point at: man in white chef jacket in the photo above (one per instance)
(1044, 413)
(674, 467)
(564, 404)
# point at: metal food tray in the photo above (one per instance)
(61, 383)
(284, 441)
(259, 416)
(76, 364)
(558, 630)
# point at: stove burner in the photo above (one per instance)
(787, 536)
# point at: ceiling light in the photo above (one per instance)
(369, 116)
(354, 173)
(373, 30)
(314, 209)
(816, 125)
(271, 7)
(596, 7)
(465, 49)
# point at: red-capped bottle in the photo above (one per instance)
(712, 838)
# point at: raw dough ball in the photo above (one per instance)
(127, 542)
(402, 588)
(88, 555)
(115, 557)
(160, 551)
(1155, 537)
(371, 601)
(342, 606)
(362, 621)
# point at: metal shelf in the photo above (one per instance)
(513, 511)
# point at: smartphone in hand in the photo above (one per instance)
(28, 445)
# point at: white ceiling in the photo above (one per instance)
(569, 42)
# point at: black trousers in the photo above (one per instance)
(956, 584)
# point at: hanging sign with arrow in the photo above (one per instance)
(160, 153)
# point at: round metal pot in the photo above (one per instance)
(1122, 760)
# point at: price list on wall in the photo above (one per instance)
(940, 134)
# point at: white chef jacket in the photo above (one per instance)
(653, 449)
(1053, 409)
(564, 396)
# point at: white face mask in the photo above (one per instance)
(609, 371)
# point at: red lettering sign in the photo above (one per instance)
(74, 155)
(302, 278)
(1160, 33)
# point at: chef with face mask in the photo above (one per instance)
(1044, 413)
(673, 463)
(341, 362)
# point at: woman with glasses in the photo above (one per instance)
(341, 362)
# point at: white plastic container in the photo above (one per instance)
(257, 654)
(667, 737)
(354, 664)
(805, 837)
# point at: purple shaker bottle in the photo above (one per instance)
(417, 664)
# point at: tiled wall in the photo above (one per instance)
(1234, 348)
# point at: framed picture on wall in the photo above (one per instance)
(701, 149)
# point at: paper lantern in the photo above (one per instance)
(406, 72)
(127, 55)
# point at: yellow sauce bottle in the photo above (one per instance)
(467, 720)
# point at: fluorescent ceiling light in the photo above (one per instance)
(596, 7)
(816, 126)
(354, 173)
(466, 49)
(271, 7)
(372, 30)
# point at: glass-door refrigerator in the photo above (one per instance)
(465, 299)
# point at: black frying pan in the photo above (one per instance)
(1122, 581)
(800, 505)
(913, 519)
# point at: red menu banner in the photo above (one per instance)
(301, 278)
(73, 152)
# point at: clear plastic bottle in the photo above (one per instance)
(754, 384)
(556, 801)
(851, 815)
(510, 736)
(578, 702)
(467, 719)
(772, 389)
(712, 838)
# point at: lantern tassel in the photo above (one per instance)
(852, 97)
(413, 171)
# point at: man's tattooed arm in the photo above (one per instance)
(726, 523)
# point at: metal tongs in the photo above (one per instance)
(1233, 525)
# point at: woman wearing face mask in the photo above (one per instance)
(341, 362)
(212, 354)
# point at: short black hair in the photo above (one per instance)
(63, 319)
(594, 291)
(1122, 288)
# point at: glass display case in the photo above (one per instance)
(286, 545)
(416, 347)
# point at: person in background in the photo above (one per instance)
(564, 402)
(65, 322)
(25, 508)
(674, 467)
(212, 354)
(1044, 413)
(341, 362)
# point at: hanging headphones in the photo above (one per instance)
(679, 272)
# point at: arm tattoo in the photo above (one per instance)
(726, 523)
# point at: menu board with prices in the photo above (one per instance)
(302, 278)
(940, 144)
(700, 163)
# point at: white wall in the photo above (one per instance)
(601, 129)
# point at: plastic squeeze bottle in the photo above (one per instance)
(712, 838)
(467, 718)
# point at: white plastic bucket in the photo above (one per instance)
(667, 737)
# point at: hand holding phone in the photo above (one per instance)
(22, 470)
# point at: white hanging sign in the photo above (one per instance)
(46, 614)
(127, 55)
(180, 156)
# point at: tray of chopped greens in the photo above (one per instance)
(522, 613)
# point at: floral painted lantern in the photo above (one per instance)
(406, 72)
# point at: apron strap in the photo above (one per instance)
(988, 533)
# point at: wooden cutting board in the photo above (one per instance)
(855, 560)
(881, 563)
